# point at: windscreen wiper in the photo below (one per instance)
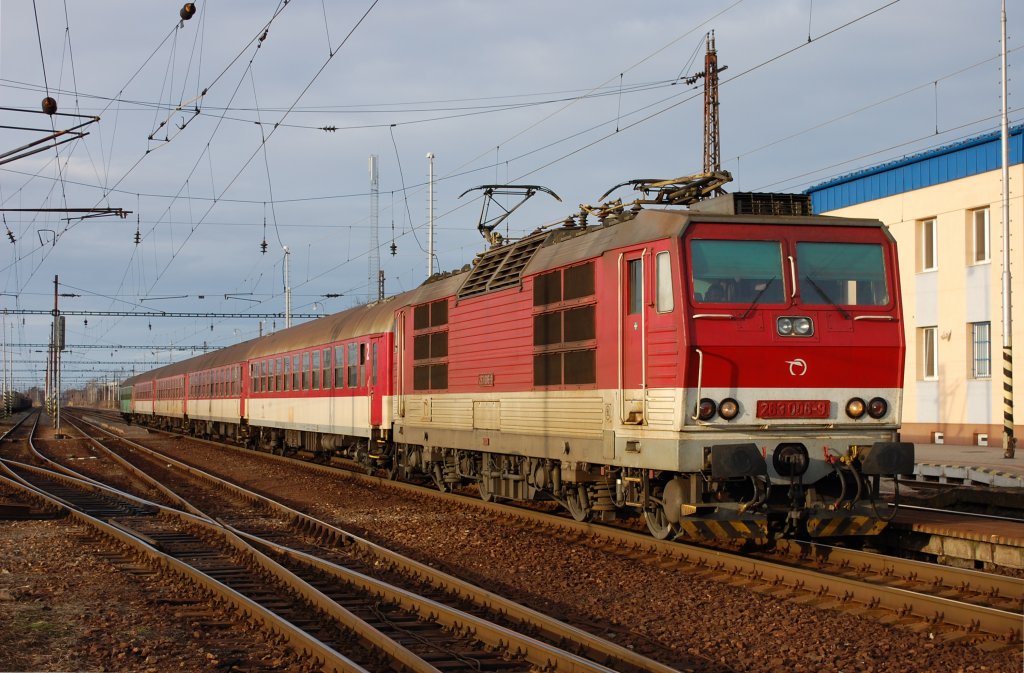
(827, 298)
(757, 297)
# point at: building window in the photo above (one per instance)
(927, 353)
(980, 236)
(927, 245)
(981, 350)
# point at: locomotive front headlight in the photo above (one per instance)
(877, 407)
(706, 409)
(728, 408)
(855, 408)
(784, 326)
(803, 326)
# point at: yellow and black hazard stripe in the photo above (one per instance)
(834, 525)
(725, 529)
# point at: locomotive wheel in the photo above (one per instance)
(577, 504)
(658, 524)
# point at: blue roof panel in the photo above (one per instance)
(943, 164)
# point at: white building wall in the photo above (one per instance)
(951, 297)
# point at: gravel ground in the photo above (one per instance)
(69, 611)
(64, 609)
(725, 626)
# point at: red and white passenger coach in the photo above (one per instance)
(732, 369)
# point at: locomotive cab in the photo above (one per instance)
(794, 373)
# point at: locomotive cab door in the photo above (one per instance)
(632, 342)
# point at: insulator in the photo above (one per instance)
(187, 11)
(263, 246)
(49, 106)
(10, 235)
(394, 249)
(138, 237)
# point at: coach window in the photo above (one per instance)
(362, 365)
(663, 291)
(353, 365)
(278, 375)
(373, 364)
(305, 371)
(339, 367)
(327, 369)
(315, 371)
(295, 373)
(286, 375)
(254, 378)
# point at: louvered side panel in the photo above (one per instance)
(560, 415)
(452, 412)
(663, 408)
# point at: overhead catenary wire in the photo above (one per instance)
(220, 194)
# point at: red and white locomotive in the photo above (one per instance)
(731, 369)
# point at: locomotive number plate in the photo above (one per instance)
(793, 408)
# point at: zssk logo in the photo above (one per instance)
(797, 367)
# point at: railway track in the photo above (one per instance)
(950, 603)
(325, 567)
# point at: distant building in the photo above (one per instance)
(944, 207)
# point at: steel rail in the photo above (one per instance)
(124, 464)
(765, 576)
(253, 612)
(909, 570)
(534, 651)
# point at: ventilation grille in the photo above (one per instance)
(756, 203)
(501, 267)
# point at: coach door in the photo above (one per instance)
(632, 345)
(374, 383)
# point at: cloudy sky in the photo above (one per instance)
(217, 140)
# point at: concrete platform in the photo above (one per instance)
(969, 465)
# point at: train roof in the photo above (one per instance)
(502, 267)
(366, 319)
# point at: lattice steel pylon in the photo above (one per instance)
(712, 144)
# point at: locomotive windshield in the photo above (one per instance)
(842, 274)
(737, 272)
